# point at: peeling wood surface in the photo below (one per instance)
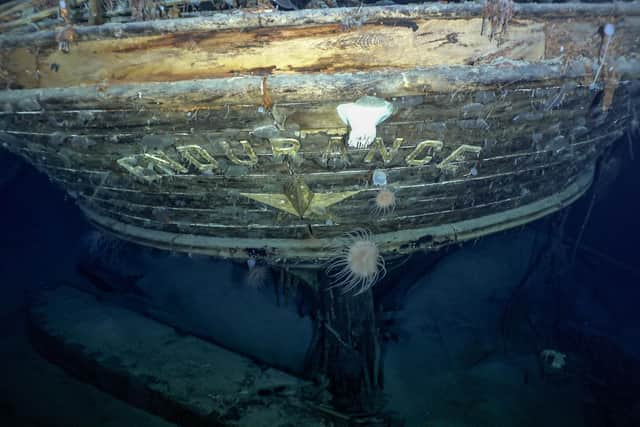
(299, 88)
(402, 39)
(240, 19)
(265, 51)
(226, 92)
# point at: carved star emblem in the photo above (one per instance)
(299, 200)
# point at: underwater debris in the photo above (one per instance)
(39, 5)
(553, 359)
(143, 10)
(607, 33)
(266, 131)
(65, 37)
(499, 14)
(608, 30)
(634, 124)
(63, 11)
(352, 21)
(6, 78)
(284, 4)
(634, 128)
(266, 101)
(357, 263)
(611, 81)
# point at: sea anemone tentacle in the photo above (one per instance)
(356, 264)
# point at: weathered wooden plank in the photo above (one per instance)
(101, 155)
(246, 90)
(215, 205)
(354, 213)
(553, 109)
(193, 55)
(392, 15)
(501, 154)
(329, 48)
(311, 249)
(505, 158)
(525, 103)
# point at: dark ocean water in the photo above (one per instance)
(469, 340)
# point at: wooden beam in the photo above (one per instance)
(29, 19)
(318, 87)
(96, 12)
(393, 15)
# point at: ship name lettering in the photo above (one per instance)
(284, 146)
(251, 158)
(425, 149)
(387, 155)
(156, 164)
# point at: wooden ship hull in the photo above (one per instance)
(220, 135)
(269, 136)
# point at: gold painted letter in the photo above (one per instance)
(379, 147)
(428, 146)
(251, 159)
(197, 157)
(151, 166)
(284, 146)
(460, 154)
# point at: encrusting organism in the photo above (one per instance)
(362, 117)
(384, 202)
(257, 275)
(357, 263)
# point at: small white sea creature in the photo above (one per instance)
(357, 263)
(257, 275)
(384, 202)
(554, 358)
(379, 178)
(362, 117)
